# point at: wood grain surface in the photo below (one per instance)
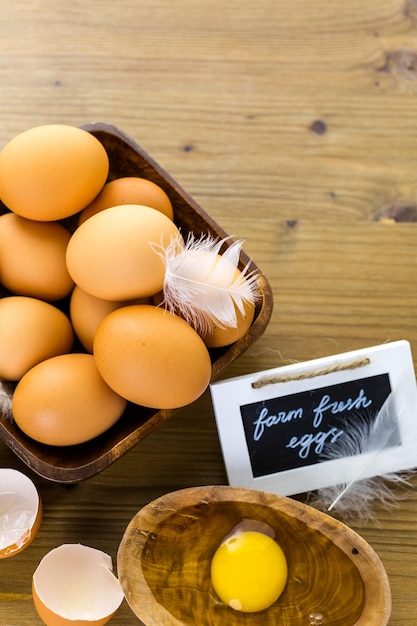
(293, 124)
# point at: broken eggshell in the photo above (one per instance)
(74, 585)
(20, 512)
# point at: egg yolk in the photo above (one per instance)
(249, 571)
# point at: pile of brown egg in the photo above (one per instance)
(104, 268)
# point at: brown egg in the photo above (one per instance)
(151, 357)
(129, 190)
(224, 336)
(220, 336)
(31, 331)
(87, 311)
(51, 172)
(64, 401)
(111, 255)
(32, 257)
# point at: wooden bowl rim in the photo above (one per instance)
(378, 605)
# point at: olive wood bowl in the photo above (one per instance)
(76, 463)
(334, 577)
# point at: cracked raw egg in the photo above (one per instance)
(249, 571)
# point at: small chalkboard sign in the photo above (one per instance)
(277, 428)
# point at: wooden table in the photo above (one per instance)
(293, 124)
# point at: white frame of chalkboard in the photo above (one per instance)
(394, 359)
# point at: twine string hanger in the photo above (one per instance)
(337, 367)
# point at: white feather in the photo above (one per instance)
(364, 441)
(5, 400)
(201, 283)
(358, 503)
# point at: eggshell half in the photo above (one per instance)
(20, 512)
(111, 255)
(152, 357)
(51, 172)
(64, 401)
(75, 585)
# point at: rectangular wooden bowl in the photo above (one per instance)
(75, 463)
